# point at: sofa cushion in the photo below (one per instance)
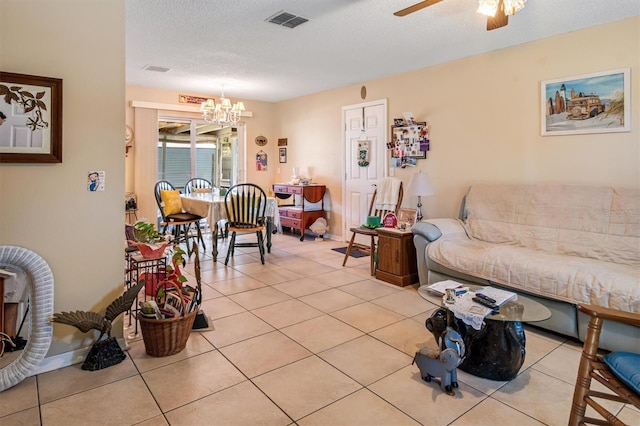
(572, 279)
(600, 223)
(626, 367)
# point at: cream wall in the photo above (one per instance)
(484, 118)
(47, 208)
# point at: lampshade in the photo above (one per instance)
(420, 185)
(223, 112)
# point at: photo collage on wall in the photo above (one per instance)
(409, 143)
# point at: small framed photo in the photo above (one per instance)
(282, 154)
(398, 121)
(407, 216)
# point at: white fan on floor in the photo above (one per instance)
(319, 227)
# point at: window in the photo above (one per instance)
(186, 149)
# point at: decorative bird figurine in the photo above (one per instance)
(86, 321)
(104, 353)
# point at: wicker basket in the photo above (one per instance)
(169, 336)
(166, 336)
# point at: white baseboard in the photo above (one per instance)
(67, 359)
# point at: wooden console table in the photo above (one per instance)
(297, 217)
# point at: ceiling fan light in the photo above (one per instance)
(488, 7)
(513, 6)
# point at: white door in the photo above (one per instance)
(360, 182)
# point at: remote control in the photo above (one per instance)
(487, 298)
(486, 303)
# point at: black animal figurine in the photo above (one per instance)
(103, 353)
(442, 362)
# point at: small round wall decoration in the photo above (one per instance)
(363, 92)
(128, 134)
(261, 140)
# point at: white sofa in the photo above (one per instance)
(558, 244)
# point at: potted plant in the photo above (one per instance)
(167, 320)
(149, 241)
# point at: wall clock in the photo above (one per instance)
(128, 138)
(128, 134)
(261, 140)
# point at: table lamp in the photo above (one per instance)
(420, 185)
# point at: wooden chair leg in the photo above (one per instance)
(230, 248)
(261, 246)
(348, 252)
(204, 248)
(185, 230)
(583, 381)
(372, 253)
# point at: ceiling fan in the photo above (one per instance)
(497, 11)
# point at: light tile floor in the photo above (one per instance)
(300, 340)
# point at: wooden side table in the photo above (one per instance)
(396, 257)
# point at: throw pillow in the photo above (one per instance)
(626, 367)
(171, 201)
(200, 190)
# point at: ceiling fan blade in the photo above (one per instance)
(416, 7)
(498, 21)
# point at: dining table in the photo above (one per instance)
(211, 206)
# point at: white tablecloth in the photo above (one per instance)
(212, 207)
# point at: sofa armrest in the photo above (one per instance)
(432, 229)
(427, 230)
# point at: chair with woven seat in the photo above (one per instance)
(170, 206)
(619, 372)
(376, 208)
(246, 205)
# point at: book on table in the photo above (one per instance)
(441, 287)
(500, 296)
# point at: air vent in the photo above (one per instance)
(287, 19)
(155, 68)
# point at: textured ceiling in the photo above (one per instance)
(208, 44)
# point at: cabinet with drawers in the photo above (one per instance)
(298, 216)
(396, 257)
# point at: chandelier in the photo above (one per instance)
(510, 7)
(222, 113)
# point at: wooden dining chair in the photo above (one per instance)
(170, 206)
(619, 372)
(246, 204)
(371, 233)
(202, 184)
(195, 184)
